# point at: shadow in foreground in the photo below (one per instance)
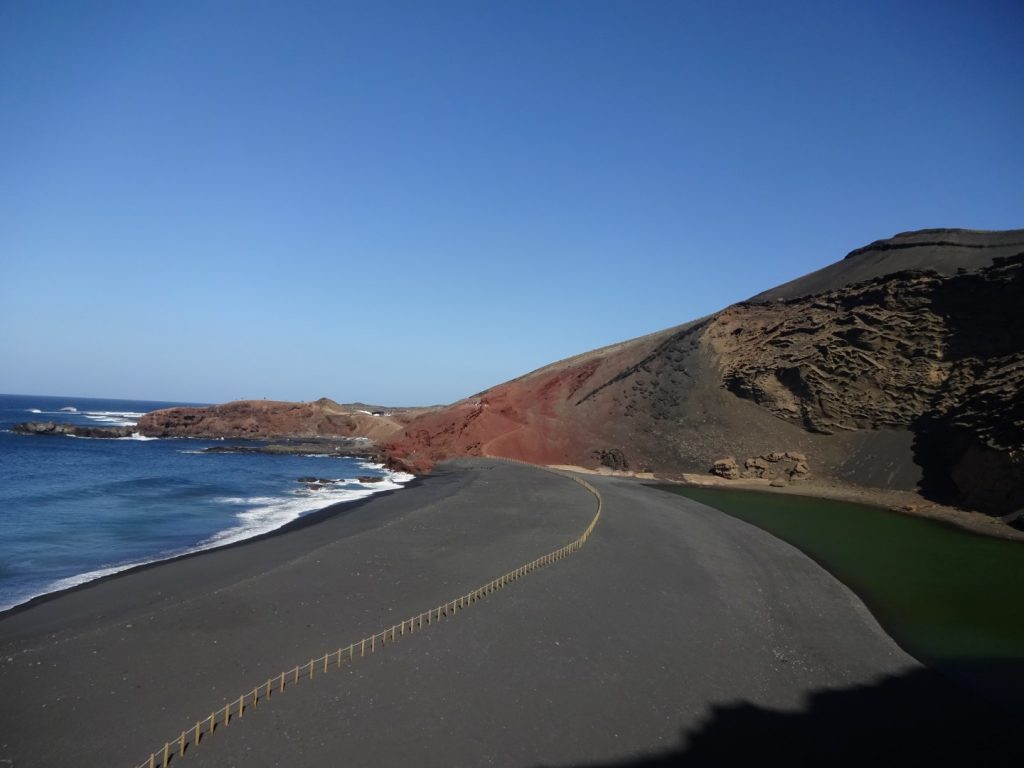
(917, 719)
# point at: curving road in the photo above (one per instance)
(678, 635)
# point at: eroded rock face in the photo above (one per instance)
(781, 467)
(941, 355)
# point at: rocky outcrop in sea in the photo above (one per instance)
(55, 428)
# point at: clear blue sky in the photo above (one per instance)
(407, 203)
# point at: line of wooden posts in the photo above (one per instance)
(277, 685)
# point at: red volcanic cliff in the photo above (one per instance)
(269, 419)
(549, 416)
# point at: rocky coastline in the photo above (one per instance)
(72, 430)
(356, 448)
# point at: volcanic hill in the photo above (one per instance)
(273, 419)
(899, 367)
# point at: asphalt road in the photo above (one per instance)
(678, 635)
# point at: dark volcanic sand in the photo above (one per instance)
(674, 619)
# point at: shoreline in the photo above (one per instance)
(137, 654)
(902, 502)
(136, 659)
(334, 509)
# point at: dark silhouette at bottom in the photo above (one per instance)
(916, 719)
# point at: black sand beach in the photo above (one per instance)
(678, 634)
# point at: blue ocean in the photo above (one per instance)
(75, 509)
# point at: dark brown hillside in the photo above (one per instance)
(900, 366)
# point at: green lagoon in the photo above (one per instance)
(951, 598)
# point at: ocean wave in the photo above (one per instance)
(132, 436)
(82, 578)
(393, 476)
(263, 514)
(69, 409)
(268, 513)
(114, 418)
(33, 410)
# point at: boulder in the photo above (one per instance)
(799, 471)
(757, 466)
(613, 458)
(727, 468)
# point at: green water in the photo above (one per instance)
(953, 599)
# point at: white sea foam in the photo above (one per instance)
(82, 578)
(34, 410)
(267, 513)
(395, 477)
(69, 409)
(116, 418)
